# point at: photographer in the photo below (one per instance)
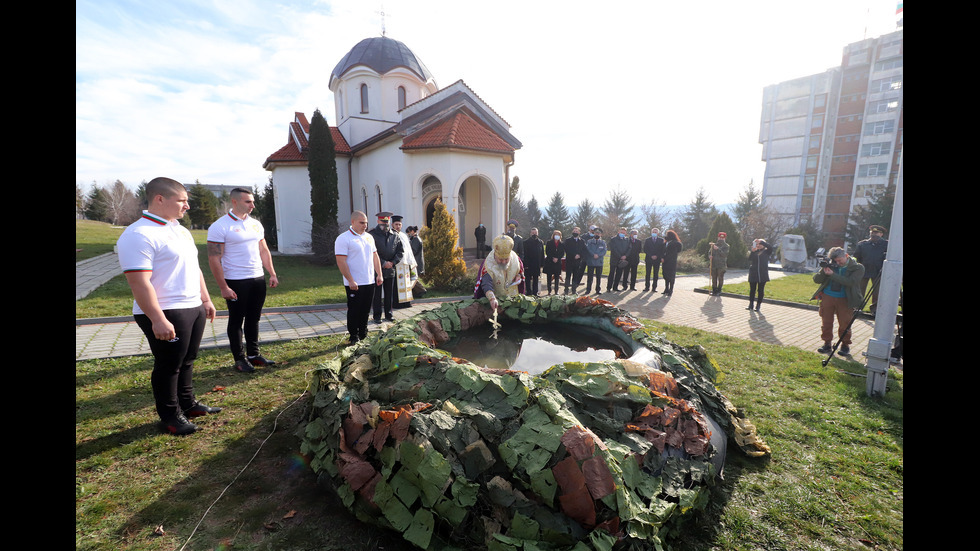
(839, 294)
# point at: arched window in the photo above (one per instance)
(364, 98)
(401, 97)
(377, 190)
(340, 103)
(364, 199)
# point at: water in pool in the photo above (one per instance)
(533, 348)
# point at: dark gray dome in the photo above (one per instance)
(381, 54)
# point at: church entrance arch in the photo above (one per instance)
(476, 207)
(431, 190)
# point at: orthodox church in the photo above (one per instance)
(401, 143)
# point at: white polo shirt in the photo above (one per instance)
(241, 236)
(167, 249)
(359, 250)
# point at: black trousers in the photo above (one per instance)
(629, 275)
(173, 361)
(556, 278)
(755, 287)
(655, 266)
(533, 282)
(573, 274)
(383, 296)
(596, 272)
(615, 274)
(358, 310)
(244, 314)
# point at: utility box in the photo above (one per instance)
(792, 253)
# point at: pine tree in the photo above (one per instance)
(444, 264)
(738, 253)
(617, 212)
(877, 211)
(265, 207)
(323, 189)
(204, 206)
(748, 201)
(556, 216)
(96, 204)
(534, 216)
(698, 216)
(585, 216)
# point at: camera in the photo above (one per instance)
(827, 263)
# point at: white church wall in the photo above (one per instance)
(291, 185)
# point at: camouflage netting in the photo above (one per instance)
(584, 456)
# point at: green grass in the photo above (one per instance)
(791, 288)
(835, 479)
(94, 238)
(302, 282)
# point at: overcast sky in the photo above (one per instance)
(657, 98)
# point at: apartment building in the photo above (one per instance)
(832, 141)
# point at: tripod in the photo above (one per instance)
(867, 297)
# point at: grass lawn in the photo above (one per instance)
(835, 479)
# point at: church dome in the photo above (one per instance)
(381, 54)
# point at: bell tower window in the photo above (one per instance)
(364, 98)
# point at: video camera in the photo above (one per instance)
(827, 263)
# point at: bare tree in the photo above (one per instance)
(122, 207)
(765, 223)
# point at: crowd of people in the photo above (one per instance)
(566, 261)
(381, 268)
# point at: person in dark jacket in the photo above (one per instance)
(390, 252)
(619, 247)
(516, 237)
(554, 251)
(594, 260)
(871, 253)
(633, 260)
(574, 261)
(533, 261)
(672, 248)
(416, 242)
(481, 240)
(758, 271)
(654, 248)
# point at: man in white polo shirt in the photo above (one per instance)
(171, 302)
(359, 264)
(237, 253)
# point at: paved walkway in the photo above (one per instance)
(782, 324)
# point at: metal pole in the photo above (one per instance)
(879, 347)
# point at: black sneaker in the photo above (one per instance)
(260, 360)
(844, 350)
(243, 366)
(825, 349)
(179, 426)
(199, 409)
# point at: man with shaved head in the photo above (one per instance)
(360, 265)
(171, 304)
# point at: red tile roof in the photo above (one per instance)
(297, 143)
(459, 131)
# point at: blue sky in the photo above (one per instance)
(204, 90)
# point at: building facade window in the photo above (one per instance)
(875, 149)
(401, 97)
(817, 121)
(879, 127)
(883, 106)
(875, 169)
(364, 98)
(886, 84)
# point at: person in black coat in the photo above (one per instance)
(575, 252)
(533, 261)
(758, 271)
(672, 248)
(481, 240)
(416, 242)
(554, 251)
(633, 259)
(654, 247)
(390, 252)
